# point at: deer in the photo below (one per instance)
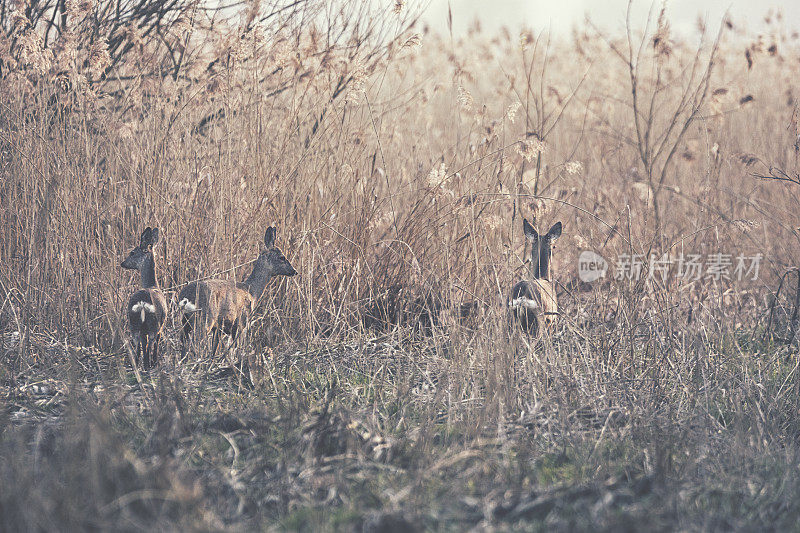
(218, 306)
(529, 301)
(147, 307)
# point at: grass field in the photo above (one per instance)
(389, 392)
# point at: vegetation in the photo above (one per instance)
(388, 391)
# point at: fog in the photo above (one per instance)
(561, 16)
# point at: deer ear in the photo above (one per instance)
(154, 236)
(269, 237)
(555, 231)
(146, 238)
(530, 233)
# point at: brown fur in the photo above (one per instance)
(221, 306)
(544, 291)
(534, 300)
(228, 302)
(158, 300)
(153, 324)
(147, 307)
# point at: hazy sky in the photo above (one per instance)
(560, 15)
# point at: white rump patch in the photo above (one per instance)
(187, 307)
(143, 308)
(523, 303)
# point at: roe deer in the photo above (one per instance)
(147, 307)
(530, 299)
(221, 306)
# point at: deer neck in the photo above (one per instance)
(540, 265)
(147, 273)
(257, 280)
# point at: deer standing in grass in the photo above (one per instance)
(531, 300)
(220, 306)
(147, 307)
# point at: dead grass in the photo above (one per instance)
(391, 394)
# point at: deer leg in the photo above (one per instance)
(243, 345)
(154, 355)
(230, 353)
(245, 360)
(186, 330)
(145, 342)
(234, 355)
(233, 333)
(214, 342)
(138, 355)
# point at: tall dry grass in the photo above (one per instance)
(397, 164)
